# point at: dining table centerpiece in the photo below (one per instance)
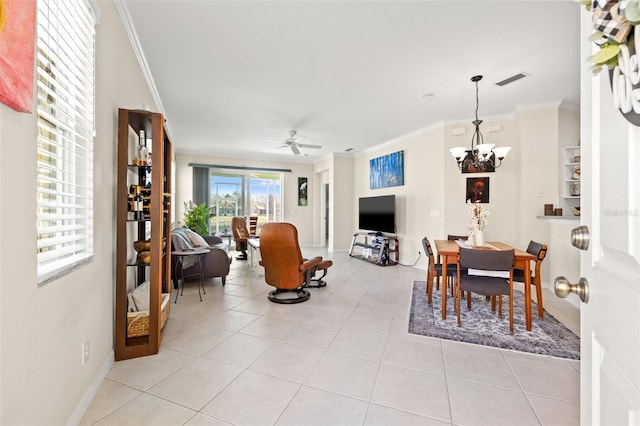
(479, 221)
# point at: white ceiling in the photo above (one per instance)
(231, 75)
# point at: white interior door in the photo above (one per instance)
(610, 321)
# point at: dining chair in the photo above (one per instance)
(486, 285)
(539, 251)
(253, 225)
(434, 270)
(452, 237)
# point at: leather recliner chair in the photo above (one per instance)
(284, 267)
(240, 235)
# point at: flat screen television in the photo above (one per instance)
(377, 213)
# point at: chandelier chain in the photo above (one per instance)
(477, 101)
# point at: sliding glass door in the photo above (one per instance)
(244, 193)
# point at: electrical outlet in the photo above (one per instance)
(85, 352)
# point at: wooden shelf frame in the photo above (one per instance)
(156, 227)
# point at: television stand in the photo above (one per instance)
(375, 248)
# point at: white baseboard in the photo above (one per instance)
(90, 393)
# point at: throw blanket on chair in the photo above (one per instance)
(185, 239)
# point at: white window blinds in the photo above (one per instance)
(65, 94)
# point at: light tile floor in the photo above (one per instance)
(342, 358)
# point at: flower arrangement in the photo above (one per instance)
(479, 215)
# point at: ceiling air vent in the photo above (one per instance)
(513, 78)
(348, 149)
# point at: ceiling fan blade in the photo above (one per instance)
(303, 145)
(295, 149)
(277, 147)
(271, 140)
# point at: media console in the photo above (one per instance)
(375, 248)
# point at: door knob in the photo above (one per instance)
(580, 237)
(563, 288)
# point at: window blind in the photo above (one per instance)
(65, 98)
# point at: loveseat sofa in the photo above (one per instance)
(216, 263)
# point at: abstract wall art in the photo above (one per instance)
(387, 170)
(17, 42)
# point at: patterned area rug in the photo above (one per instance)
(483, 327)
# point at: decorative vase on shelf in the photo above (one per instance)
(478, 237)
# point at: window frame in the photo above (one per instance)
(65, 81)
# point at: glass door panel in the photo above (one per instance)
(226, 201)
(246, 194)
(265, 197)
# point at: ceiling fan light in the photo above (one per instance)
(458, 152)
(501, 151)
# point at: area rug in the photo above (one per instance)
(483, 327)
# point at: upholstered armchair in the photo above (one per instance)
(216, 263)
(240, 235)
(284, 267)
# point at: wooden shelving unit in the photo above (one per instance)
(155, 225)
(381, 250)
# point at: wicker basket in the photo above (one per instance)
(138, 322)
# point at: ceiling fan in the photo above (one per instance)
(291, 143)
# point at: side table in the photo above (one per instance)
(180, 255)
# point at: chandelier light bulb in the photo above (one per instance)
(501, 152)
(458, 152)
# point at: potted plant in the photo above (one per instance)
(197, 218)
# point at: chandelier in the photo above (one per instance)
(482, 156)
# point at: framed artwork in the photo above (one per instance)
(467, 164)
(387, 170)
(477, 190)
(17, 42)
(302, 191)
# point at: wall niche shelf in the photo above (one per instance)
(571, 169)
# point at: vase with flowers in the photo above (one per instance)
(479, 221)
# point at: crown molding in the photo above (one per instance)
(125, 16)
(557, 103)
(401, 139)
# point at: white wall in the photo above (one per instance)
(341, 223)
(43, 380)
(301, 216)
(422, 194)
(503, 202)
(432, 201)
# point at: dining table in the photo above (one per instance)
(449, 252)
